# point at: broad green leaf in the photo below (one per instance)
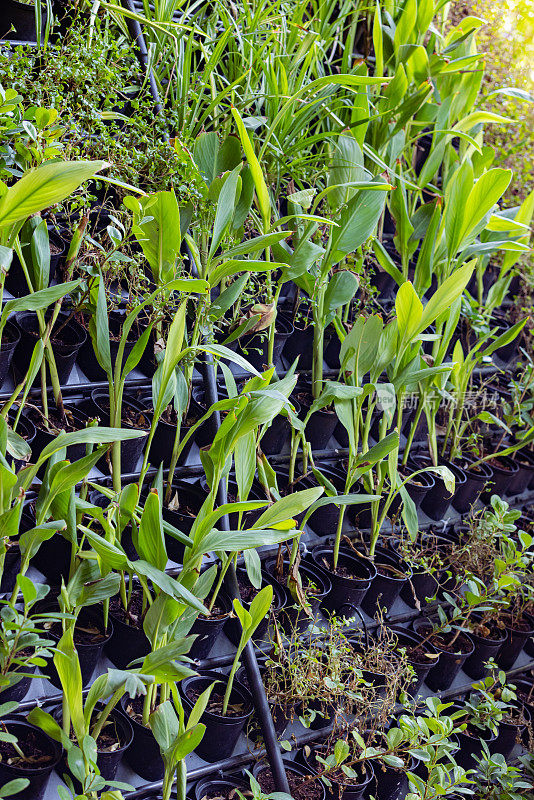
(44, 186)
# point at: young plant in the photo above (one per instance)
(177, 739)
(249, 619)
(23, 642)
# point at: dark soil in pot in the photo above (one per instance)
(524, 690)
(66, 339)
(128, 641)
(143, 755)
(10, 339)
(488, 640)
(113, 742)
(232, 626)
(452, 656)
(417, 487)
(349, 581)
(208, 629)
(43, 752)
(477, 478)
(222, 732)
(519, 631)
(300, 788)
(392, 574)
(134, 417)
(316, 585)
(428, 566)
(165, 435)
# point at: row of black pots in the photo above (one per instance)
(50, 756)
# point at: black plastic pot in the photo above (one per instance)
(467, 493)
(131, 449)
(11, 568)
(425, 582)
(324, 521)
(232, 626)
(53, 556)
(391, 784)
(443, 674)
(351, 791)
(392, 574)
(143, 755)
(221, 733)
(524, 693)
(18, 691)
(421, 667)
(38, 776)
(418, 488)
(65, 351)
(190, 497)
(485, 648)
(16, 283)
(256, 493)
(26, 429)
(208, 629)
(510, 734)
(107, 762)
(164, 437)
(88, 653)
(438, 499)
(44, 437)
(471, 747)
(10, 339)
(310, 575)
(87, 359)
(515, 642)
(217, 787)
(504, 474)
(322, 424)
(294, 771)
(344, 590)
(278, 434)
(255, 346)
(299, 345)
(20, 16)
(525, 476)
(127, 642)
